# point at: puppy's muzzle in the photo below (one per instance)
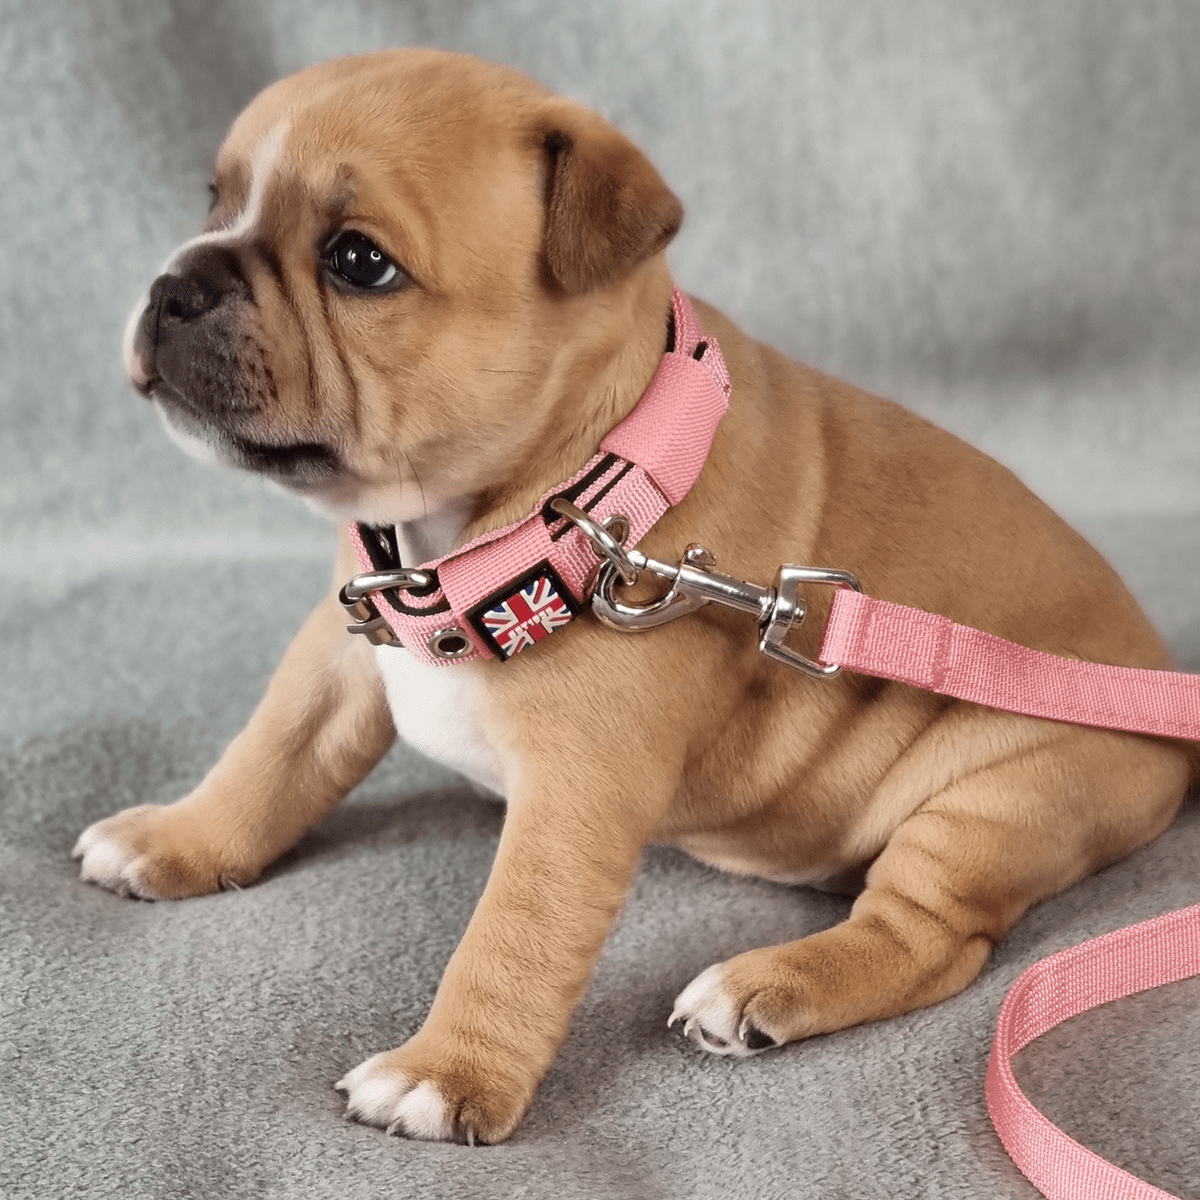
(197, 356)
(191, 340)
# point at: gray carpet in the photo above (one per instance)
(987, 211)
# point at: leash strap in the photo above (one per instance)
(877, 637)
(1164, 950)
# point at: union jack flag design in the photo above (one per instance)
(533, 609)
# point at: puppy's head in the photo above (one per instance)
(413, 262)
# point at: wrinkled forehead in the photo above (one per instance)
(324, 155)
(403, 162)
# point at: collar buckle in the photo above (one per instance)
(354, 598)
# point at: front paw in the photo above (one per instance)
(438, 1090)
(152, 852)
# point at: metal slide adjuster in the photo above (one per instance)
(354, 598)
(694, 582)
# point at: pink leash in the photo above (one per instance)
(1111, 967)
(877, 637)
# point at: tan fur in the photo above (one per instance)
(535, 324)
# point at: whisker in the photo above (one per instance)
(420, 488)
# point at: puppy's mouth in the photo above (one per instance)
(301, 464)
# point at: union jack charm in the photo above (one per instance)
(524, 611)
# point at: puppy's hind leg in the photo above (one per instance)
(950, 882)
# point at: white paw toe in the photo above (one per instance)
(424, 1114)
(108, 863)
(372, 1092)
(377, 1095)
(713, 1020)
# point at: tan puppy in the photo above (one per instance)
(422, 267)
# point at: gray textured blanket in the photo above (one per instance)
(990, 212)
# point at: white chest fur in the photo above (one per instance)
(438, 710)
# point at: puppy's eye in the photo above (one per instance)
(360, 262)
(212, 193)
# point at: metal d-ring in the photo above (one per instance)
(606, 538)
(353, 596)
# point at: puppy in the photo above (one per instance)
(427, 292)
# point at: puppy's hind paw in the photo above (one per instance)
(715, 1020)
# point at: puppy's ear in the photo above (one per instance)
(607, 208)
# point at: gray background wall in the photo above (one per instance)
(988, 211)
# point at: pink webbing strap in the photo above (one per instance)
(877, 637)
(1116, 965)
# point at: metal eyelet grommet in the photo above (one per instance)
(450, 643)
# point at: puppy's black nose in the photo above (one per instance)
(206, 277)
(177, 298)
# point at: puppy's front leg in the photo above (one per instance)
(323, 724)
(571, 843)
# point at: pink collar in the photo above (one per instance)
(508, 589)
